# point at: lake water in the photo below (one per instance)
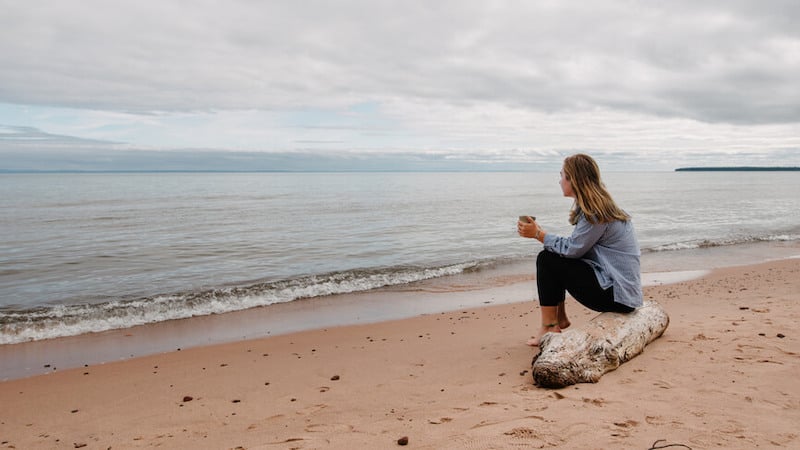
(91, 252)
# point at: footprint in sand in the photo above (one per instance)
(662, 384)
(595, 401)
(654, 420)
(522, 432)
(329, 428)
(440, 421)
(312, 409)
(627, 424)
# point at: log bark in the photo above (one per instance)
(584, 354)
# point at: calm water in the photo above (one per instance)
(90, 252)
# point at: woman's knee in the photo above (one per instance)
(545, 257)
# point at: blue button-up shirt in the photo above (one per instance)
(613, 252)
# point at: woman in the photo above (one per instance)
(598, 264)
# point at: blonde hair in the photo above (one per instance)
(591, 196)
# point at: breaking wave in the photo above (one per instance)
(69, 320)
(708, 243)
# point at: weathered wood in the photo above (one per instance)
(583, 355)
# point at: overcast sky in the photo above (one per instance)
(654, 84)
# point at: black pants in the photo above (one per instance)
(556, 275)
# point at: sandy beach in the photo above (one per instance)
(724, 375)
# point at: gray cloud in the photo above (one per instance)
(25, 138)
(25, 149)
(721, 61)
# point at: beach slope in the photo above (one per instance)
(724, 375)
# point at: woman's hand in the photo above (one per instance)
(529, 229)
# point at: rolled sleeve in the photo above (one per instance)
(583, 238)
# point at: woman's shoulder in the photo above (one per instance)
(591, 219)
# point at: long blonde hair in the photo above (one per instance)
(591, 196)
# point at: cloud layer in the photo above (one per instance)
(378, 75)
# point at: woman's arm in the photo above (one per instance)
(583, 238)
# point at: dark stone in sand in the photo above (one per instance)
(335, 378)
(781, 335)
(403, 441)
(188, 398)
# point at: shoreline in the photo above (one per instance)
(343, 310)
(720, 376)
(513, 283)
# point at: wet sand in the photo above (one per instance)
(724, 375)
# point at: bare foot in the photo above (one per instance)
(542, 331)
(563, 323)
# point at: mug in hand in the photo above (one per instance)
(527, 219)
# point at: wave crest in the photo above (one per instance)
(69, 320)
(709, 243)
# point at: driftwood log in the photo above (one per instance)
(584, 354)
